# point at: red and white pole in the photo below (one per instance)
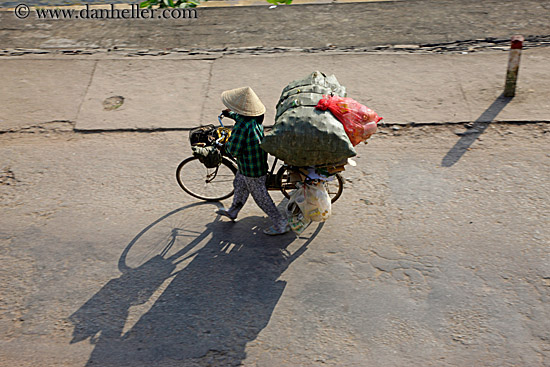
(513, 66)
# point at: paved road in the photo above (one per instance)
(351, 25)
(437, 254)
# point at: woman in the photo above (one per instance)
(244, 106)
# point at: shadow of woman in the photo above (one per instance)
(223, 286)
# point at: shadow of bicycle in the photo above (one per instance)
(201, 292)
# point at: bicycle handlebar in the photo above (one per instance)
(217, 142)
(223, 132)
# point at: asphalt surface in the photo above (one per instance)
(436, 254)
(316, 25)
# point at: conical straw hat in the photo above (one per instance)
(243, 101)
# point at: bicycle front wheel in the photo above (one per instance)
(210, 184)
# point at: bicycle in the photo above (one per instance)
(215, 184)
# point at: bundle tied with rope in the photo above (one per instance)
(303, 135)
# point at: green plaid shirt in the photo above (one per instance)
(244, 145)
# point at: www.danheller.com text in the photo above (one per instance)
(134, 12)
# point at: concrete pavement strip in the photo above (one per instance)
(41, 92)
(402, 88)
(164, 94)
(157, 94)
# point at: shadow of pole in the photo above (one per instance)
(472, 134)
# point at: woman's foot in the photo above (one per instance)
(272, 231)
(225, 213)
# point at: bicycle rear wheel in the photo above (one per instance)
(334, 187)
(210, 184)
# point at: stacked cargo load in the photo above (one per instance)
(306, 136)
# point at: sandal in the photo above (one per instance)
(225, 213)
(272, 231)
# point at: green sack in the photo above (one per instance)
(297, 100)
(210, 156)
(313, 88)
(303, 135)
(319, 79)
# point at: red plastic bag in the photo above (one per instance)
(359, 121)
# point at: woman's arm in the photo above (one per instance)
(228, 113)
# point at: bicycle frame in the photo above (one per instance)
(279, 177)
(271, 180)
